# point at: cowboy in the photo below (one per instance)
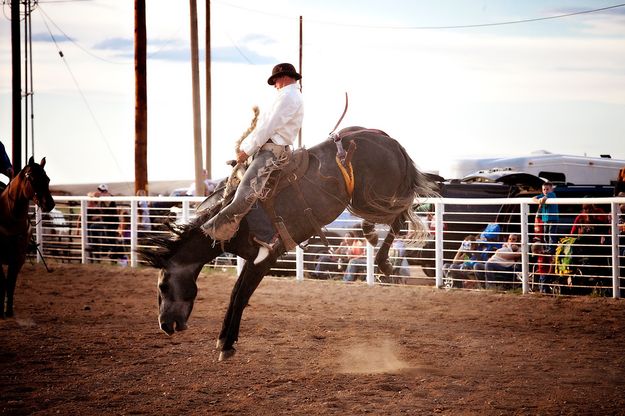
(6, 168)
(267, 146)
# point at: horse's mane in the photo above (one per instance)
(158, 249)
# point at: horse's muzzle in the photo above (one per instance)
(172, 326)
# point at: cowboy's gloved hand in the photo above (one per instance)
(242, 156)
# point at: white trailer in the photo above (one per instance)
(578, 170)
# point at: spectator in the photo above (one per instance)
(591, 230)
(397, 255)
(621, 225)
(110, 222)
(502, 264)
(464, 261)
(143, 211)
(95, 227)
(331, 262)
(357, 260)
(592, 220)
(548, 215)
(543, 267)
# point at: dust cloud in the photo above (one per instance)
(371, 358)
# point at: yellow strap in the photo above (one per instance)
(348, 177)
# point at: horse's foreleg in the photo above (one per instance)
(2, 291)
(11, 280)
(381, 259)
(247, 283)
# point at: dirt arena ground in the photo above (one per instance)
(85, 341)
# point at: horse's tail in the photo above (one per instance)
(417, 185)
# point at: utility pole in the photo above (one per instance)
(209, 100)
(195, 79)
(16, 93)
(301, 33)
(141, 99)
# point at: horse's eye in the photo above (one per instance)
(163, 287)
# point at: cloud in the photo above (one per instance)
(116, 44)
(45, 37)
(240, 55)
(177, 50)
(258, 38)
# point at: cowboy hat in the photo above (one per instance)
(281, 70)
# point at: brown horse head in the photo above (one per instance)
(37, 184)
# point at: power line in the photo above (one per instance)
(465, 26)
(84, 98)
(46, 16)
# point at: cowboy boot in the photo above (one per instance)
(266, 249)
(222, 226)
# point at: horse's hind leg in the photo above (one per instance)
(368, 230)
(381, 259)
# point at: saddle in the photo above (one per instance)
(290, 175)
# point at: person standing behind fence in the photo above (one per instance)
(110, 222)
(143, 211)
(549, 214)
(357, 260)
(331, 262)
(543, 267)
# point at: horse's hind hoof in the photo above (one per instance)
(386, 268)
(225, 354)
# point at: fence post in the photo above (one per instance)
(525, 266)
(133, 233)
(616, 292)
(83, 231)
(39, 231)
(439, 210)
(370, 267)
(185, 211)
(299, 264)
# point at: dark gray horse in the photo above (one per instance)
(386, 183)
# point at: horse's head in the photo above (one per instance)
(180, 257)
(37, 184)
(177, 290)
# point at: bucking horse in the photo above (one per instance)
(374, 178)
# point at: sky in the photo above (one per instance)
(444, 92)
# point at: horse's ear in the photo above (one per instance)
(43, 162)
(31, 161)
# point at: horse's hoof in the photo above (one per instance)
(220, 343)
(225, 354)
(386, 268)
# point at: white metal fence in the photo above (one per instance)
(110, 229)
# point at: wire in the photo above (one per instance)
(467, 26)
(77, 44)
(238, 49)
(84, 98)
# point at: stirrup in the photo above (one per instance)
(265, 249)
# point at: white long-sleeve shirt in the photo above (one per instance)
(281, 124)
